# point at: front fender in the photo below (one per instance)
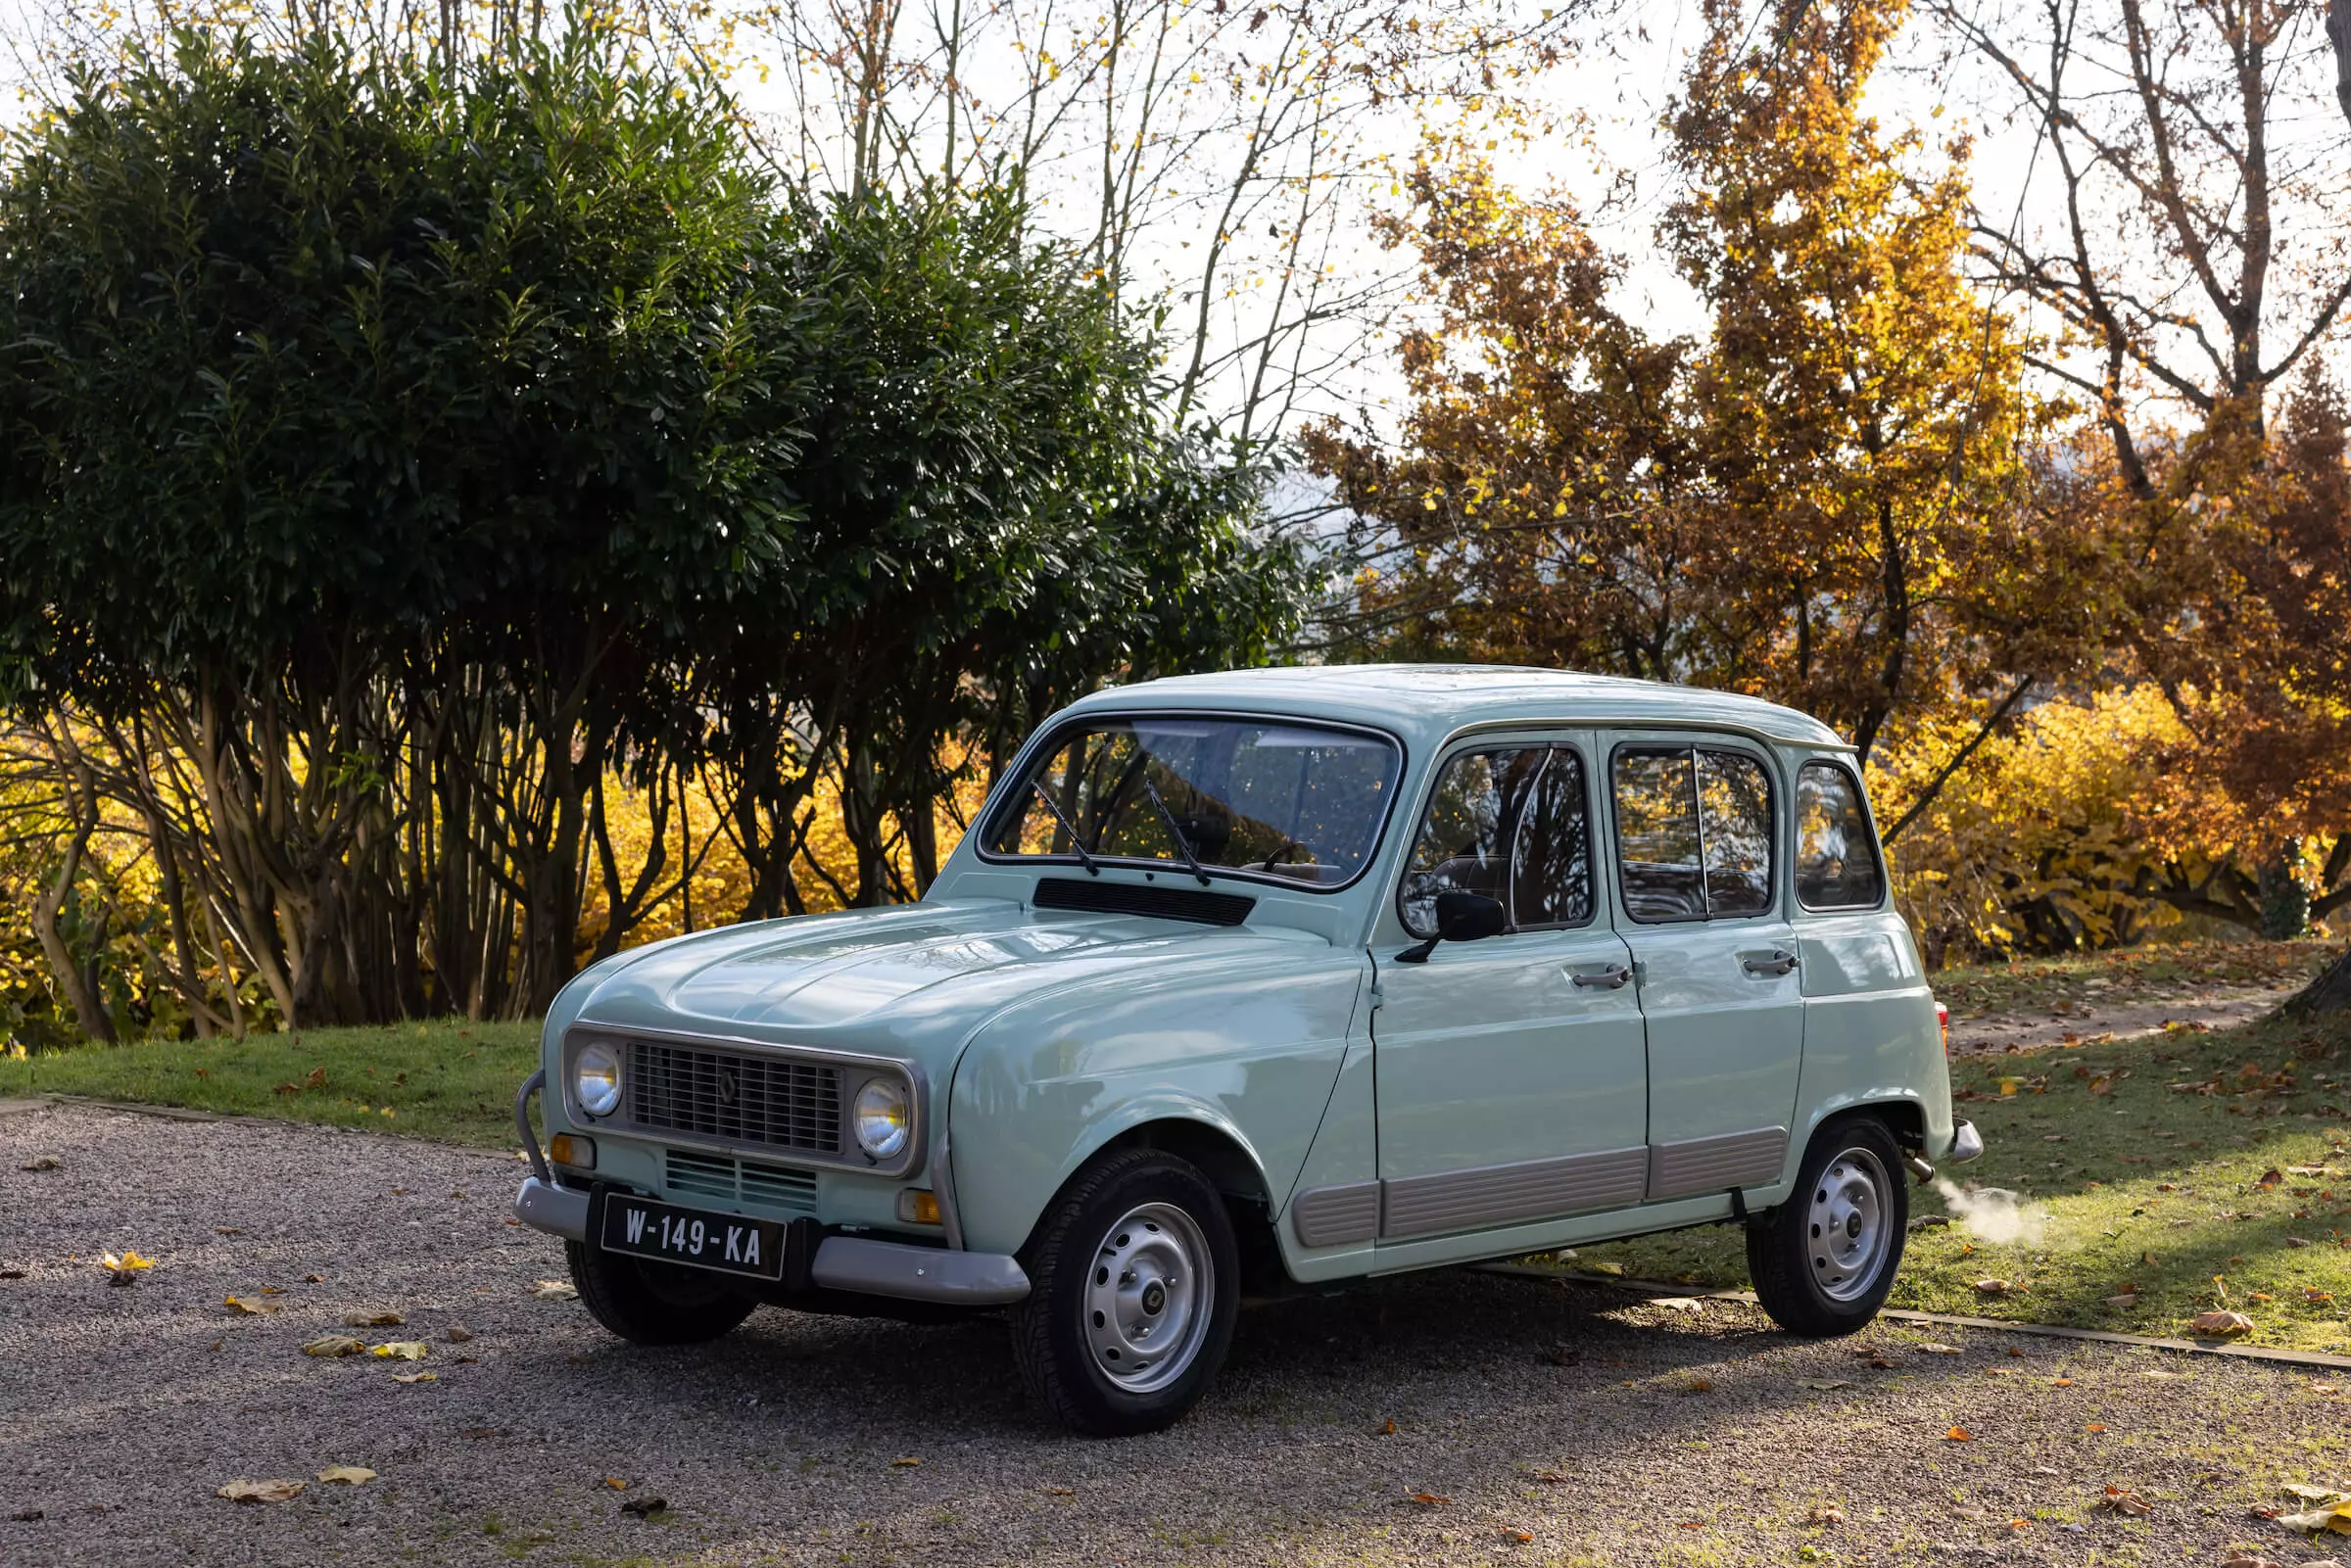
(1247, 1051)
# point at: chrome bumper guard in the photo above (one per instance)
(1966, 1143)
(854, 1263)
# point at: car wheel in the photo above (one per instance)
(655, 1303)
(1824, 1260)
(1135, 1283)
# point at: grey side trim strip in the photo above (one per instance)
(1495, 1194)
(918, 1273)
(547, 1207)
(1710, 1165)
(1327, 1216)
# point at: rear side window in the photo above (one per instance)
(1837, 859)
(1693, 833)
(1511, 824)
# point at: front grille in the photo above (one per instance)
(734, 1099)
(690, 1171)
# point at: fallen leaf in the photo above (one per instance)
(244, 1490)
(404, 1349)
(1825, 1515)
(1516, 1535)
(333, 1345)
(316, 1078)
(2333, 1517)
(416, 1377)
(1932, 1348)
(457, 1334)
(906, 1463)
(2221, 1326)
(616, 1483)
(371, 1320)
(1993, 1287)
(253, 1308)
(2093, 1427)
(2061, 1382)
(555, 1290)
(313, 1279)
(1678, 1303)
(1958, 1434)
(1428, 1500)
(2120, 1499)
(646, 1506)
(1547, 1477)
(1061, 1492)
(39, 1162)
(350, 1475)
(129, 1261)
(2313, 1295)
(2125, 1301)
(1824, 1384)
(2270, 1178)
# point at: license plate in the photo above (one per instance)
(728, 1243)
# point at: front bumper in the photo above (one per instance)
(856, 1264)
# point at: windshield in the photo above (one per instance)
(1266, 796)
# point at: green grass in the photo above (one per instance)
(2138, 973)
(449, 1079)
(2138, 1182)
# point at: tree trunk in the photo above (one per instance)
(2329, 993)
(79, 985)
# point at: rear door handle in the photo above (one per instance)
(1613, 978)
(1781, 962)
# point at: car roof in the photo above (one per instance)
(1426, 703)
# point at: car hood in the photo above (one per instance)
(916, 978)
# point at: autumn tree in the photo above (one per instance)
(1829, 501)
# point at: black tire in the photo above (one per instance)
(1062, 1349)
(1819, 1290)
(655, 1303)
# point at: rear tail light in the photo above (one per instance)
(1942, 1018)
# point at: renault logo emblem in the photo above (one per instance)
(726, 1087)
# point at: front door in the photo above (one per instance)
(1695, 828)
(1509, 1071)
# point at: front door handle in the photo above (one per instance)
(1781, 962)
(1613, 978)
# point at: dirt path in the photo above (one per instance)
(1555, 1424)
(2093, 1018)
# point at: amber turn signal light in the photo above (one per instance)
(573, 1150)
(918, 1208)
(1943, 1016)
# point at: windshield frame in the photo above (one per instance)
(1051, 739)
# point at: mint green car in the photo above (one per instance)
(1253, 981)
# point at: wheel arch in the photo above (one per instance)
(1220, 1154)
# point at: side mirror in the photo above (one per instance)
(1461, 917)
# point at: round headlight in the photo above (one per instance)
(596, 1078)
(882, 1117)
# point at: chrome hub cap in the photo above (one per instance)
(1847, 1230)
(1148, 1300)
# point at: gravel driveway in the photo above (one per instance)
(1550, 1423)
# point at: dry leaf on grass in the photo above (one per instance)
(129, 1262)
(2331, 1515)
(349, 1475)
(1958, 1434)
(1519, 1536)
(2221, 1326)
(644, 1507)
(2121, 1500)
(333, 1345)
(251, 1309)
(371, 1320)
(1428, 1500)
(1994, 1287)
(416, 1377)
(555, 1290)
(404, 1349)
(244, 1490)
(1827, 1514)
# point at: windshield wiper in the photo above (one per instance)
(1070, 827)
(1183, 845)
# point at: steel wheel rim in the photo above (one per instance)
(1149, 1295)
(1847, 1234)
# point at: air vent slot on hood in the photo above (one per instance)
(1100, 897)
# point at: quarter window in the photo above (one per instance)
(1836, 861)
(1693, 833)
(1511, 824)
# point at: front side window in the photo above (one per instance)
(1837, 863)
(1693, 833)
(1509, 824)
(1270, 798)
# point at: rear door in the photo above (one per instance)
(1509, 1071)
(1696, 820)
